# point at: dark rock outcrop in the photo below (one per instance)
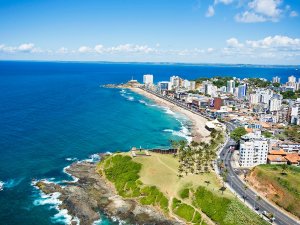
(90, 194)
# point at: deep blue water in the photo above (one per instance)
(53, 111)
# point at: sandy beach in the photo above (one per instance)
(199, 132)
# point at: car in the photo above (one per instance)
(256, 208)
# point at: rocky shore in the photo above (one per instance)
(90, 194)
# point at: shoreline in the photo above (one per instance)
(82, 200)
(198, 131)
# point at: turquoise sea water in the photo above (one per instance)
(51, 113)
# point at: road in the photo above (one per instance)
(281, 218)
(225, 154)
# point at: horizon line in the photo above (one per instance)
(150, 62)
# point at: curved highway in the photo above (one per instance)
(281, 218)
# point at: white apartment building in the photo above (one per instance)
(230, 86)
(210, 89)
(253, 150)
(175, 81)
(276, 79)
(295, 112)
(292, 79)
(274, 104)
(148, 79)
(254, 98)
(192, 85)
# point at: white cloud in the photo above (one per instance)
(63, 50)
(276, 41)
(269, 8)
(233, 43)
(255, 10)
(130, 48)
(225, 2)
(99, 49)
(85, 49)
(249, 17)
(273, 47)
(293, 14)
(210, 11)
(26, 48)
(210, 50)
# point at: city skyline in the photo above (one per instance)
(219, 31)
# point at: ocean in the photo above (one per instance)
(52, 113)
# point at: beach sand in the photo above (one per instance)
(199, 132)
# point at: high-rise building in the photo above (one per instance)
(148, 79)
(295, 112)
(230, 86)
(276, 79)
(164, 86)
(274, 104)
(242, 91)
(253, 149)
(192, 85)
(292, 79)
(254, 98)
(175, 81)
(210, 89)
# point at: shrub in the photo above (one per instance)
(184, 193)
(183, 210)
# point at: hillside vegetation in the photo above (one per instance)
(279, 184)
(154, 180)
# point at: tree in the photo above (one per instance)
(267, 134)
(289, 95)
(284, 168)
(237, 133)
(276, 84)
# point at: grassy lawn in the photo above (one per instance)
(185, 211)
(123, 172)
(285, 186)
(225, 211)
(161, 171)
(153, 180)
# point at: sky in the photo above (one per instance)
(188, 31)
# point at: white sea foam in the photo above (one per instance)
(127, 96)
(168, 111)
(146, 103)
(71, 159)
(1, 185)
(117, 219)
(97, 222)
(183, 132)
(62, 217)
(93, 158)
(11, 183)
(130, 98)
(54, 202)
(74, 179)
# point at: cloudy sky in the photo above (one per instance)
(197, 31)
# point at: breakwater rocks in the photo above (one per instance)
(90, 194)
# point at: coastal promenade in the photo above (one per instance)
(176, 102)
(249, 196)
